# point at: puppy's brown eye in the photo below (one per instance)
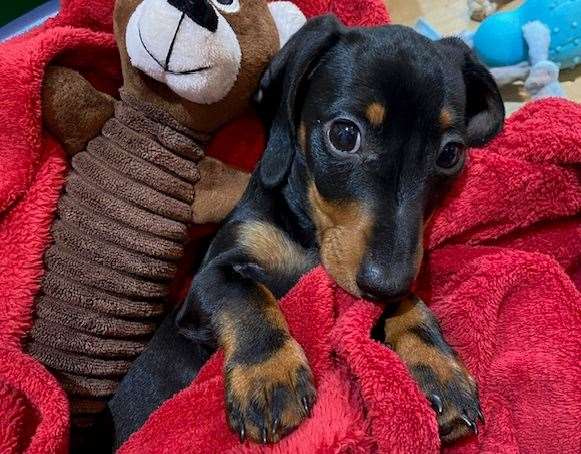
(450, 155)
(345, 136)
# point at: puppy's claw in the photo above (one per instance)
(436, 403)
(469, 423)
(242, 433)
(263, 436)
(480, 416)
(275, 425)
(306, 406)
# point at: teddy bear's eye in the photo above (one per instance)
(227, 6)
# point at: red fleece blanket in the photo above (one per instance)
(502, 272)
(502, 275)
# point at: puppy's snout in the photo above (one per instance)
(200, 11)
(378, 282)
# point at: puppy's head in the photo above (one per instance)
(381, 119)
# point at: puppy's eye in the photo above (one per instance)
(227, 6)
(344, 136)
(450, 155)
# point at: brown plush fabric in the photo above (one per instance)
(65, 93)
(218, 191)
(120, 231)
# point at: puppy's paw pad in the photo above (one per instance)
(267, 400)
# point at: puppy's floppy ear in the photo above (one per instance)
(280, 87)
(484, 106)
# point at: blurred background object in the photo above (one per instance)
(18, 16)
(450, 17)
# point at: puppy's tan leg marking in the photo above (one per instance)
(272, 248)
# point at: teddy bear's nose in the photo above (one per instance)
(200, 11)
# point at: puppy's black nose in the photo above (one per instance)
(376, 282)
(200, 11)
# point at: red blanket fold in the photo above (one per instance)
(502, 272)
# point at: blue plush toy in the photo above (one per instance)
(539, 73)
(499, 40)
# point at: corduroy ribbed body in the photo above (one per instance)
(120, 231)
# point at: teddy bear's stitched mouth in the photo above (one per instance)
(165, 66)
(190, 71)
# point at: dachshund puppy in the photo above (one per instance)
(368, 126)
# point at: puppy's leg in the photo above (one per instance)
(415, 335)
(269, 385)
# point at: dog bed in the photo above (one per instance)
(502, 273)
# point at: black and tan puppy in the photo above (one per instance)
(369, 125)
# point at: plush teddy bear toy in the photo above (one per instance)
(189, 66)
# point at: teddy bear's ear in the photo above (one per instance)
(288, 19)
(280, 87)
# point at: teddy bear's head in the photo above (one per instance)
(200, 60)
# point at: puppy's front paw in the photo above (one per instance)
(267, 400)
(414, 333)
(453, 395)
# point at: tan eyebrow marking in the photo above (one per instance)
(446, 118)
(376, 113)
(302, 136)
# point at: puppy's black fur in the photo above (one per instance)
(169, 364)
(367, 128)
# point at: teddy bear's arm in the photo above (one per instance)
(218, 191)
(73, 110)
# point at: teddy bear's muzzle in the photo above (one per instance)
(186, 44)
